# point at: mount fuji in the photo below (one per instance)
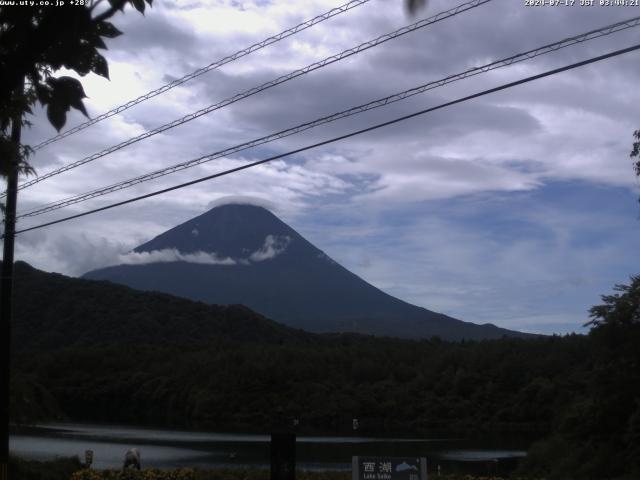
(244, 254)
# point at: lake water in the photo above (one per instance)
(173, 449)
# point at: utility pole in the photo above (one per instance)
(6, 284)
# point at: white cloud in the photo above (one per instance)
(273, 246)
(173, 255)
(573, 126)
(244, 200)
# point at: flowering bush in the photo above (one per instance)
(147, 474)
(191, 474)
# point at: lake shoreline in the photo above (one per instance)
(173, 449)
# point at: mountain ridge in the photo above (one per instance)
(244, 254)
(78, 313)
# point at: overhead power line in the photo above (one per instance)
(284, 78)
(607, 30)
(212, 66)
(341, 137)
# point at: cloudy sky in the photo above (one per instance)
(518, 208)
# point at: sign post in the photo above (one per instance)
(88, 458)
(283, 456)
(389, 468)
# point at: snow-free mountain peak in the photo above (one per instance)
(244, 254)
(230, 230)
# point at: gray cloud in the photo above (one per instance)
(451, 265)
(572, 127)
(158, 31)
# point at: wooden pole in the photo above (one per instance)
(6, 288)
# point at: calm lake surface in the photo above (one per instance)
(173, 449)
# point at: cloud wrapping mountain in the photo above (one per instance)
(243, 254)
(272, 247)
(173, 255)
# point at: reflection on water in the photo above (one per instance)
(106, 455)
(480, 455)
(174, 449)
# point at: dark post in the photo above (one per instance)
(6, 290)
(283, 456)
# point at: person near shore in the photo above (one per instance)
(132, 459)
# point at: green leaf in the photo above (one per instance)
(57, 115)
(66, 89)
(414, 5)
(66, 92)
(43, 93)
(119, 4)
(106, 29)
(98, 42)
(78, 105)
(100, 66)
(139, 5)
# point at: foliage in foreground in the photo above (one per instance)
(599, 435)
(72, 469)
(37, 42)
(59, 469)
(235, 474)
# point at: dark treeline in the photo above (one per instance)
(98, 352)
(598, 436)
(390, 386)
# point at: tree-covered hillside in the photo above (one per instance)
(53, 311)
(106, 352)
(598, 436)
(99, 352)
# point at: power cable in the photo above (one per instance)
(212, 66)
(309, 68)
(607, 30)
(342, 137)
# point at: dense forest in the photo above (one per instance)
(99, 352)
